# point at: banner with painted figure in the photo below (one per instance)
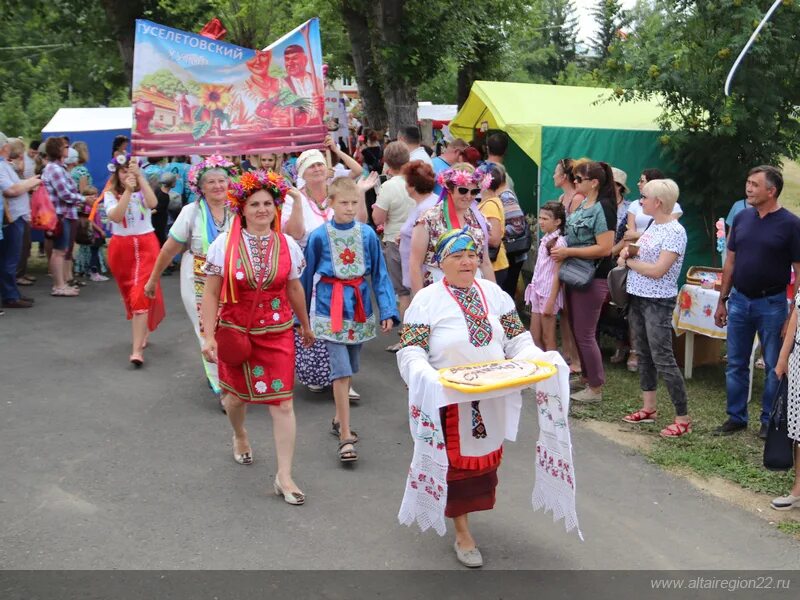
(195, 95)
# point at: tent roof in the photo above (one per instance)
(90, 119)
(523, 109)
(436, 112)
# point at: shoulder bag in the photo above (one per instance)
(779, 447)
(233, 345)
(577, 272)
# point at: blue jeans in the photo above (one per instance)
(747, 317)
(10, 252)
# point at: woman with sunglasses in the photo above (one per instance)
(590, 236)
(564, 178)
(457, 208)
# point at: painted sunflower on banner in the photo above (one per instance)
(210, 114)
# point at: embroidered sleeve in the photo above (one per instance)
(512, 325)
(415, 334)
(210, 269)
(215, 258)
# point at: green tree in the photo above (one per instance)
(609, 18)
(13, 120)
(544, 44)
(681, 54)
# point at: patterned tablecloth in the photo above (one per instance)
(694, 312)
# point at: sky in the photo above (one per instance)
(586, 22)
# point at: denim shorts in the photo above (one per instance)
(344, 359)
(62, 242)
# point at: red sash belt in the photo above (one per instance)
(337, 301)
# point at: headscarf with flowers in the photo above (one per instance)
(452, 177)
(238, 193)
(208, 228)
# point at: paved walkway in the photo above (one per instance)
(104, 467)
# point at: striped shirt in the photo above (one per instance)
(545, 268)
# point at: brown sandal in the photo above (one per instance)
(348, 456)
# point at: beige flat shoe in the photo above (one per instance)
(469, 558)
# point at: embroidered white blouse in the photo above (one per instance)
(256, 246)
(436, 334)
(137, 215)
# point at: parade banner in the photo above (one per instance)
(195, 95)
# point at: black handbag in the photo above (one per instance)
(577, 272)
(618, 286)
(779, 447)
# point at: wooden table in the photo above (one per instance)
(694, 314)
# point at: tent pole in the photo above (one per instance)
(538, 197)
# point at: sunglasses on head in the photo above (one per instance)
(470, 191)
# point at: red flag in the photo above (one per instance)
(214, 29)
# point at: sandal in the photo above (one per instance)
(347, 456)
(137, 360)
(335, 427)
(65, 291)
(674, 430)
(24, 281)
(641, 416)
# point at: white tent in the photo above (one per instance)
(427, 111)
(97, 127)
(90, 119)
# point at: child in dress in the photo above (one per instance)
(544, 293)
(342, 253)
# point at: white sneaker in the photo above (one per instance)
(317, 389)
(353, 395)
(98, 277)
(787, 502)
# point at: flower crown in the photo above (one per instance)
(215, 161)
(120, 160)
(251, 182)
(459, 177)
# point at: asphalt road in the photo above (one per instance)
(105, 467)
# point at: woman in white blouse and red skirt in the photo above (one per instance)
(133, 248)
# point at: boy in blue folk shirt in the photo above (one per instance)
(343, 252)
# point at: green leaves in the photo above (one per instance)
(200, 128)
(682, 51)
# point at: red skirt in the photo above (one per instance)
(268, 377)
(131, 259)
(468, 490)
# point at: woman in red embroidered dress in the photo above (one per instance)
(256, 254)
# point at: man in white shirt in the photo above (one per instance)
(411, 137)
(391, 210)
